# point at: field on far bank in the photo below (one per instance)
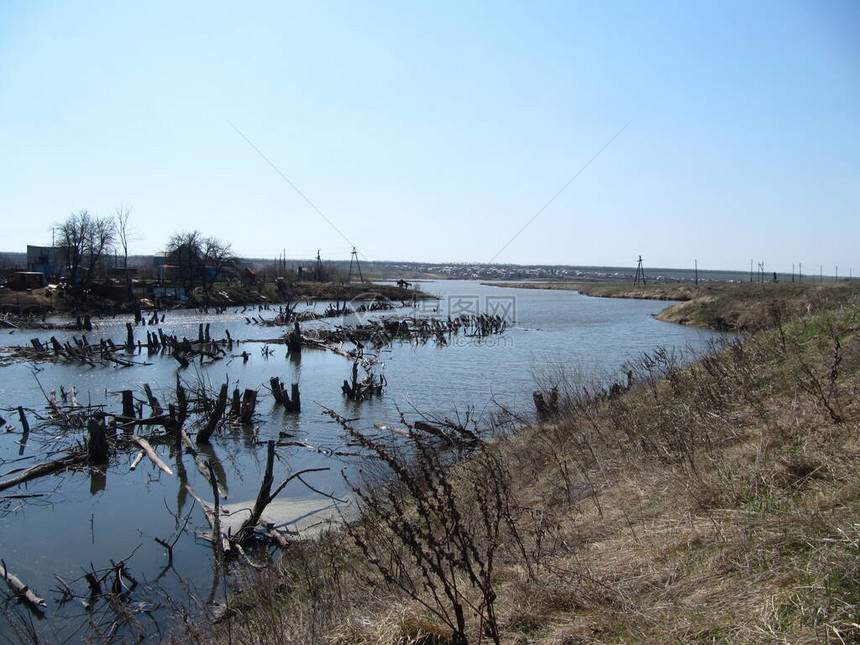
(724, 306)
(673, 291)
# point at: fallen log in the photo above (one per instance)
(220, 550)
(46, 468)
(381, 426)
(143, 443)
(429, 428)
(126, 423)
(20, 589)
(137, 460)
(198, 461)
(210, 518)
(119, 361)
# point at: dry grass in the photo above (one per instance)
(752, 307)
(716, 503)
(721, 305)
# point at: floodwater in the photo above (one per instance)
(82, 520)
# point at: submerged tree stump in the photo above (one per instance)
(153, 400)
(547, 408)
(181, 404)
(97, 446)
(25, 425)
(277, 390)
(296, 402)
(214, 418)
(236, 404)
(128, 404)
(249, 405)
(294, 340)
(291, 403)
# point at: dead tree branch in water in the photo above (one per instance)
(20, 589)
(265, 496)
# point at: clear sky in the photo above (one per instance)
(434, 132)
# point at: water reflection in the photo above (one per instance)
(98, 478)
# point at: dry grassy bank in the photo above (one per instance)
(674, 291)
(711, 503)
(720, 305)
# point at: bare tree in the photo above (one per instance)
(125, 233)
(199, 259)
(85, 241)
(184, 253)
(217, 256)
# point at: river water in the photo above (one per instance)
(85, 519)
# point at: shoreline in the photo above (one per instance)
(33, 305)
(721, 306)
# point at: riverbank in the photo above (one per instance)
(674, 291)
(722, 306)
(45, 301)
(715, 502)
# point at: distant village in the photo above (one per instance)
(91, 255)
(165, 271)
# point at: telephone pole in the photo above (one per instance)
(640, 274)
(354, 256)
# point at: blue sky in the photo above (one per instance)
(434, 132)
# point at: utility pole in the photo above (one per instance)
(354, 255)
(751, 271)
(800, 271)
(640, 274)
